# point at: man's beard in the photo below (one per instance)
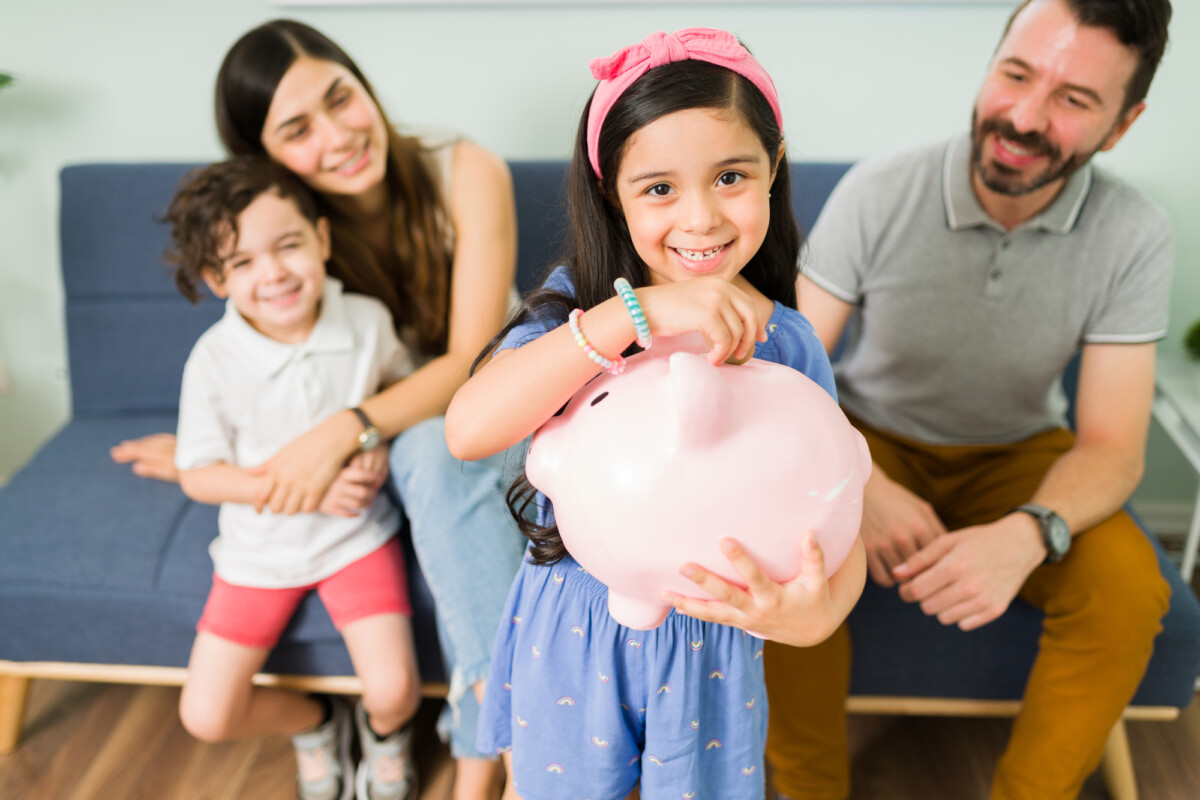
(1002, 179)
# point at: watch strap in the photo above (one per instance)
(1033, 509)
(1044, 516)
(362, 417)
(369, 438)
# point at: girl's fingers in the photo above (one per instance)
(731, 327)
(813, 566)
(715, 585)
(752, 330)
(707, 610)
(757, 581)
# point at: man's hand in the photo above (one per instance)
(896, 524)
(969, 577)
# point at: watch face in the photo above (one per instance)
(368, 439)
(1059, 534)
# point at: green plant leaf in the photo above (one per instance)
(1191, 341)
(5, 80)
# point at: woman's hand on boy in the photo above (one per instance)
(801, 612)
(355, 488)
(296, 478)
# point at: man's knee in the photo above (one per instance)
(1112, 584)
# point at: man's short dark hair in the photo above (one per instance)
(1141, 24)
(205, 210)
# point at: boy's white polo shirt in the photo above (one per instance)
(245, 396)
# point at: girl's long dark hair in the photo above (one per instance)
(599, 248)
(415, 283)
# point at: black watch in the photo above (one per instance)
(369, 438)
(1055, 533)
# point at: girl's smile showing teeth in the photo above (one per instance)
(699, 255)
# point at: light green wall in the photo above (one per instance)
(130, 80)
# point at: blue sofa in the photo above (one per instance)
(103, 575)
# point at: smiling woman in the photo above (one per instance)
(324, 127)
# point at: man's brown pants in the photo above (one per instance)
(1103, 605)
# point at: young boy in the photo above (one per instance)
(290, 350)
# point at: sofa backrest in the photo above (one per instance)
(129, 330)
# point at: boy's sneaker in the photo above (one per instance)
(323, 759)
(386, 771)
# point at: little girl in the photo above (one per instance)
(678, 185)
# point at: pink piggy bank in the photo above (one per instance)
(653, 467)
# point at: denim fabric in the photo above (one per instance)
(468, 548)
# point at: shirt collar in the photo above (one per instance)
(964, 211)
(331, 334)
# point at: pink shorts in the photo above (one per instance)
(375, 584)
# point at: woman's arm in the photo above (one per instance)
(483, 212)
(485, 261)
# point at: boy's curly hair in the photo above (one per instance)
(205, 210)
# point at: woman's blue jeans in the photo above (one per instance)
(468, 548)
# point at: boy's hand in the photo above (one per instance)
(356, 486)
(801, 612)
(151, 456)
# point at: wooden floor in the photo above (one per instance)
(87, 741)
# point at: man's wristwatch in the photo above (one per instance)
(1055, 533)
(369, 438)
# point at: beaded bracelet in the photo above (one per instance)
(644, 339)
(611, 366)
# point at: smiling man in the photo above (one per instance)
(965, 276)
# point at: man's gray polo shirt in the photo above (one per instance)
(961, 330)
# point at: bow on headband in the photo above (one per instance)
(619, 71)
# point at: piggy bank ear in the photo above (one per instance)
(701, 398)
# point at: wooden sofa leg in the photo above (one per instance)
(14, 690)
(1117, 765)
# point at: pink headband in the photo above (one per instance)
(619, 71)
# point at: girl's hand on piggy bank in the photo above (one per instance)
(721, 312)
(801, 612)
